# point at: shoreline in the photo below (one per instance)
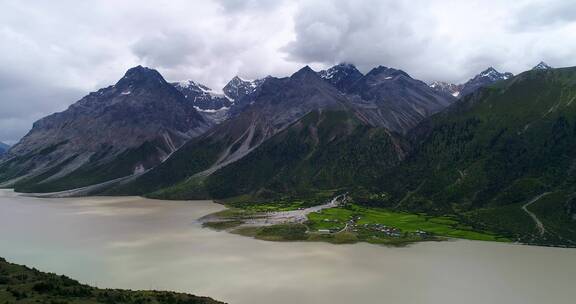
(340, 222)
(222, 221)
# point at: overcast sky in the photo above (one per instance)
(54, 52)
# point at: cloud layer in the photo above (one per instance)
(54, 52)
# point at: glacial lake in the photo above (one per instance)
(136, 243)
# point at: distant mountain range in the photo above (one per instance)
(478, 151)
(483, 79)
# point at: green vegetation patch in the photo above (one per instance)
(509, 220)
(285, 232)
(408, 225)
(259, 203)
(20, 284)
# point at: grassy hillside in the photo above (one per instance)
(20, 284)
(323, 150)
(493, 152)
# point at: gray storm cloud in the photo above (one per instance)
(435, 40)
(54, 52)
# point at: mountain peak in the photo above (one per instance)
(191, 84)
(342, 75)
(341, 68)
(542, 66)
(379, 69)
(241, 92)
(490, 69)
(140, 74)
(140, 70)
(485, 78)
(489, 72)
(387, 72)
(305, 69)
(237, 79)
(304, 72)
(494, 75)
(345, 65)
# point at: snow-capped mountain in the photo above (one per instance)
(485, 78)
(202, 97)
(493, 75)
(237, 88)
(542, 66)
(219, 106)
(342, 75)
(242, 93)
(447, 88)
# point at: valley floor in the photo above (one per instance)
(340, 221)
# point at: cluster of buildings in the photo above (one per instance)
(351, 225)
(388, 231)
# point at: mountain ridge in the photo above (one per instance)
(136, 123)
(480, 80)
(495, 150)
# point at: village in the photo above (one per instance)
(373, 229)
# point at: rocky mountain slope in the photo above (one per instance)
(134, 126)
(277, 103)
(310, 117)
(3, 148)
(392, 99)
(120, 130)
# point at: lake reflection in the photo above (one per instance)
(130, 242)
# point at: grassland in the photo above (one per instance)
(349, 223)
(368, 222)
(20, 284)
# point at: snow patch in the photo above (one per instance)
(211, 110)
(229, 98)
(185, 83)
